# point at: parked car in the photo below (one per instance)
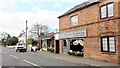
(20, 48)
(34, 48)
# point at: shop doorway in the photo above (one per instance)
(57, 46)
(65, 47)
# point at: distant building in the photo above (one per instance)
(94, 25)
(46, 41)
(21, 38)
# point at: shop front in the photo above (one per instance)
(46, 42)
(73, 42)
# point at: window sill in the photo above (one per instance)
(73, 26)
(106, 18)
(111, 53)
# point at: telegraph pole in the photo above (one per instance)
(26, 33)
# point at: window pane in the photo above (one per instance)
(110, 10)
(103, 12)
(112, 44)
(105, 44)
(74, 20)
(105, 48)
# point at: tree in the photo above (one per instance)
(32, 41)
(13, 40)
(7, 40)
(38, 29)
(3, 37)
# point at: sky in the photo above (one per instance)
(14, 13)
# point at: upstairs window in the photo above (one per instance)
(110, 10)
(74, 20)
(103, 12)
(107, 11)
(108, 44)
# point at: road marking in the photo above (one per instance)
(15, 57)
(11, 55)
(89, 64)
(4, 52)
(30, 63)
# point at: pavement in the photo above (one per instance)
(76, 59)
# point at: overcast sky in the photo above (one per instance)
(14, 13)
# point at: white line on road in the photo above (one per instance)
(30, 63)
(13, 56)
(4, 52)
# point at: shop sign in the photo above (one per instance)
(73, 34)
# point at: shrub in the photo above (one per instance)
(50, 49)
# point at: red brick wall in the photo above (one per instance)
(89, 18)
(61, 47)
(118, 32)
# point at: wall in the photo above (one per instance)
(89, 18)
(119, 32)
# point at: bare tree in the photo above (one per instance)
(3, 37)
(38, 29)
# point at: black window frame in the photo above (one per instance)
(107, 16)
(108, 44)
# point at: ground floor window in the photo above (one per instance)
(76, 45)
(108, 44)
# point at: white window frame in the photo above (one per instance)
(74, 20)
(107, 10)
(110, 10)
(103, 12)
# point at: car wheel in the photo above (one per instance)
(16, 50)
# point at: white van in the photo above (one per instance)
(20, 47)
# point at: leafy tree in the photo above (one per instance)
(32, 41)
(13, 40)
(35, 43)
(7, 40)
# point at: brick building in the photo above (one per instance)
(94, 25)
(46, 41)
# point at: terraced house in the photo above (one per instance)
(94, 25)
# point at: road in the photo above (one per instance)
(12, 58)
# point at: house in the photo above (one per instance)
(94, 25)
(21, 38)
(46, 41)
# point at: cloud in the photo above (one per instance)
(63, 1)
(14, 23)
(7, 3)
